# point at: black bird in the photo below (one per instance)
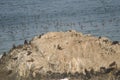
(9, 72)
(92, 71)
(29, 52)
(112, 64)
(15, 58)
(63, 75)
(76, 74)
(87, 74)
(59, 47)
(39, 36)
(4, 54)
(99, 37)
(115, 42)
(25, 42)
(49, 72)
(13, 46)
(108, 70)
(102, 69)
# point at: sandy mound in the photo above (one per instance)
(69, 51)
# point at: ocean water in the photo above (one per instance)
(23, 19)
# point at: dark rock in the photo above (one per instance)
(115, 42)
(57, 75)
(117, 73)
(108, 70)
(63, 75)
(77, 74)
(52, 76)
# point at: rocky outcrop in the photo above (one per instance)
(61, 52)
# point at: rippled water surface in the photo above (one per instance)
(23, 19)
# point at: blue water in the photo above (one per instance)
(23, 19)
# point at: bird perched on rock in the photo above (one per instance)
(15, 58)
(39, 36)
(13, 46)
(92, 71)
(99, 37)
(102, 69)
(9, 72)
(29, 52)
(87, 73)
(106, 70)
(4, 54)
(25, 42)
(112, 64)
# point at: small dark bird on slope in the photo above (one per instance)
(29, 52)
(13, 46)
(112, 64)
(25, 42)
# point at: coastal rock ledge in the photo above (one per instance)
(61, 52)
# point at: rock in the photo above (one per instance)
(64, 79)
(63, 52)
